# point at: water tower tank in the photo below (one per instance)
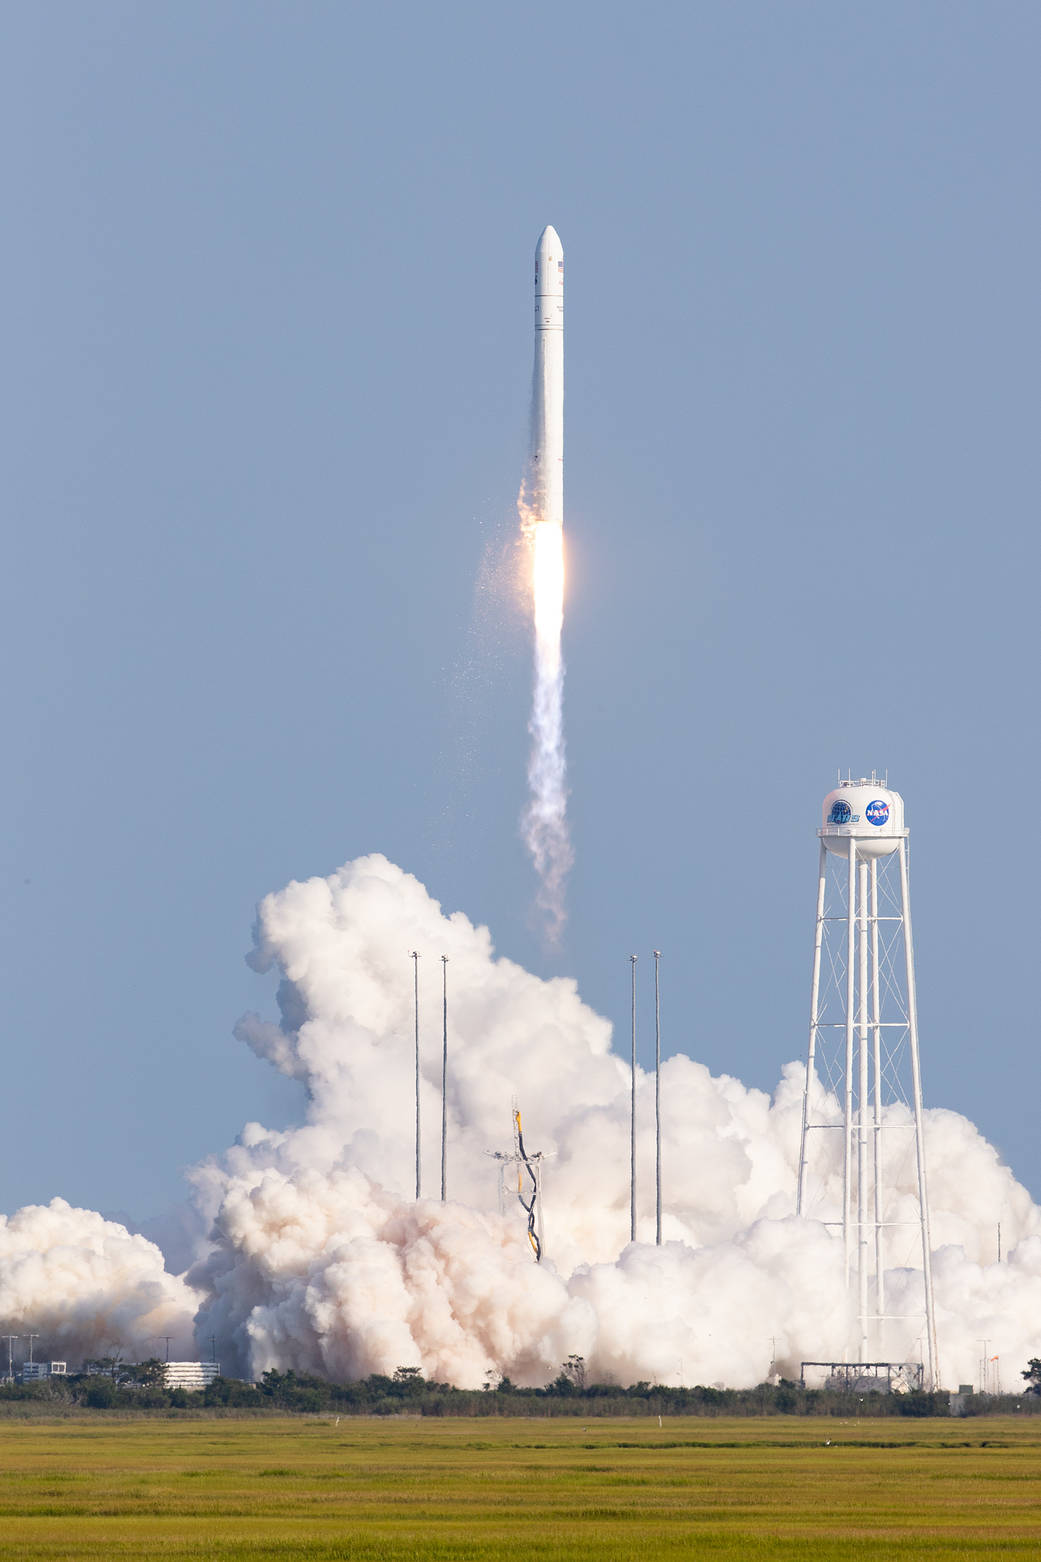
(866, 810)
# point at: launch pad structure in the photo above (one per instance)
(862, 1127)
(866, 1377)
(861, 1167)
(523, 1161)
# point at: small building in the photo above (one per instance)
(190, 1374)
(34, 1371)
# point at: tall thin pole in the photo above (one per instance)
(815, 987)
(10, 1338)
(415, 978)
(30, 1338)
(657, 1100)
(632, 1112)
(444, 1077)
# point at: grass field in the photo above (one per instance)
(521, 1491)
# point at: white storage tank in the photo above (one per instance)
(867, 811)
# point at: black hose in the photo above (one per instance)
(533, 1236)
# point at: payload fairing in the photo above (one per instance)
(546, 497)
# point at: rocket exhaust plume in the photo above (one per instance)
(541, 506)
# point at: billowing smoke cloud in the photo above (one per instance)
(322, 1260)
(88, 1288)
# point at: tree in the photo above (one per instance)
(408, 1380)
(575, 1369)
(102, 1366)
(148, 1374)
(1033, 1375)
(228, 1391)
(101, 1393)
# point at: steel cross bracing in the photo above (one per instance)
(861, 1162)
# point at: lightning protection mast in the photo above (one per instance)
(862, 1156)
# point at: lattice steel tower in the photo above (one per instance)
(861, 1160)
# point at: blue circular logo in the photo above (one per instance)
(877, 812)
(841, 813)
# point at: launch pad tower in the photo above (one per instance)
(527, 1164)
(862, 1101)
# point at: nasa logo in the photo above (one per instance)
(841, 813)
(877, 812)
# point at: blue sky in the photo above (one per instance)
(268, 270)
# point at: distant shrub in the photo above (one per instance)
(101, 1394)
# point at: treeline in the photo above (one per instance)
(408, 1393)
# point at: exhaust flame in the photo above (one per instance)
(548, 587)
(545, 818)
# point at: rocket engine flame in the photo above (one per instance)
(548, 588)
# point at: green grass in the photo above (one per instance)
(520, 1491)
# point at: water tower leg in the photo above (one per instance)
(815, 988)
(847, 1112)
(863, 1258)
(876, 1026)
(932, 1363)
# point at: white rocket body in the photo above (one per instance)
(547, 448)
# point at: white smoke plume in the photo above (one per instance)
(322, 1261)
(88, 1288)
(545, 818)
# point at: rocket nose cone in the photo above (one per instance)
(549, 243)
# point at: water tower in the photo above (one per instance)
(862, 1103)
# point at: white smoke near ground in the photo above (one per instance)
(87, 1288)
(322, 1260)
(545, 818)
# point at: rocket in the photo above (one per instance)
(547, 432)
